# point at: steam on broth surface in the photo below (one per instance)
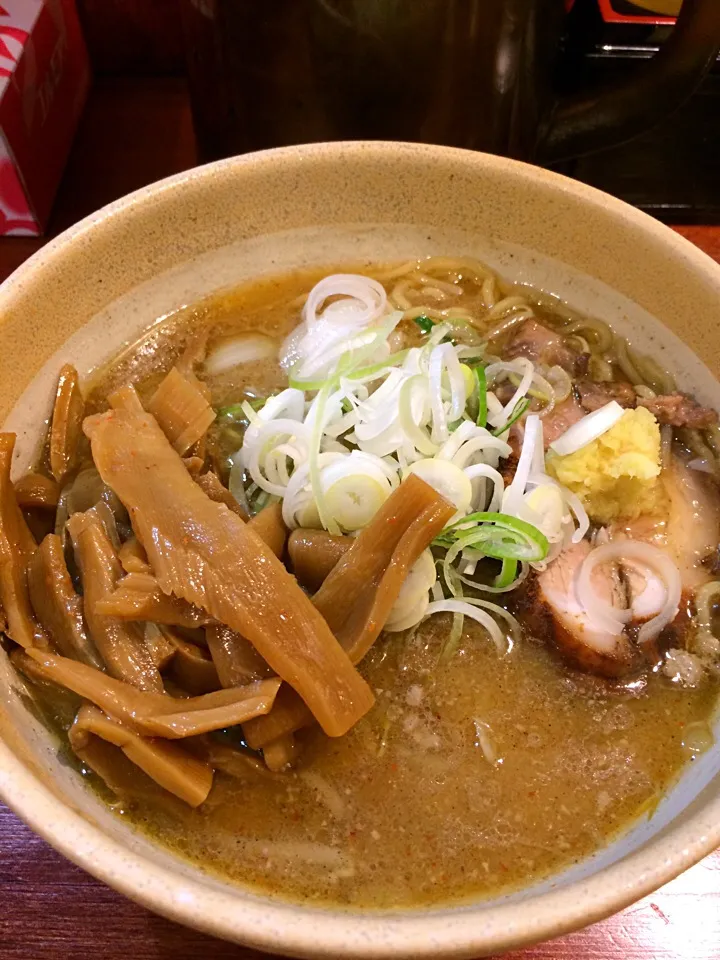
(528, 506)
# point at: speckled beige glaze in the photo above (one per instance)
(98, 285)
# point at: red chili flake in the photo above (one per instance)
(393, 767)
(503, 867)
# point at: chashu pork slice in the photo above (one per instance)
(689, 529)
(590, 646)
(202, 552)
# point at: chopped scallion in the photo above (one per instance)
(482, 395)
(425, 323)
(394, 360)
(507, 573)
(236, 411)
(518, 410)
(496, 535)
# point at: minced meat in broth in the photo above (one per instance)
(474, 773)
(407, 809)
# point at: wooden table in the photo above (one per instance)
(52, 910)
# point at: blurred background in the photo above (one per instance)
(97, 98)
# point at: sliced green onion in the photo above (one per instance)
(518, 410)
(438, 334)
(326, 519)
(394, 360)
(425, 323)
(515, 380)
(465, 352)
(454, 583)
(500, 543)
(236, 411)
(263, 499)
(250, 412)
(416, 434)
(482, 395)
(501, 519)
(490, 588)
(450, 647)
(469, 378)
(507, 573)
(454, 637)
(495, 535)
(312, 384)
(339, 352)
(503, 614)
(231, 413)
(469, 608)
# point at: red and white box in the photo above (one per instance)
(44, 80)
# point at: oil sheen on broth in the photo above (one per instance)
(473, 775)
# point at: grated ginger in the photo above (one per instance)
(616, 476)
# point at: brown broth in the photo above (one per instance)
(407, 811)
(472, 776)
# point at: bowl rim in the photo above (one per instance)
(308, 931)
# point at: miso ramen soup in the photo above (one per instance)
(381, 586)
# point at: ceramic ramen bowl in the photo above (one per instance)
(100, 284)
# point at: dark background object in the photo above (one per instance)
(469, 73)
(133, 37)
(671, 171)
(592, 116)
